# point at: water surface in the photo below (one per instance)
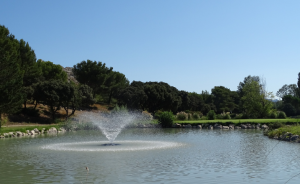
(195, 156)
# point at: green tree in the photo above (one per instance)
(83, 97)
(93, 74)
(224, 99)
(291, 89)
(50, 71)
(133, 97)
(115, 82)
(28, 65)
(54, 93)
(11, 77)
(255, 100)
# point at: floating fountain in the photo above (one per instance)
(110, 124)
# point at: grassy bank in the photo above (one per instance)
(240, 121)
(295, 130)
(24, 128)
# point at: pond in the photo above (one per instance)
(150, 156)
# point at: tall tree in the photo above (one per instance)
(83, 97)
(51, 71)
(27, 62)
(93, 74)
(53, 93)
(115, 82)
(255, 100)
(11, 78)
(291, 89)
(223, 99)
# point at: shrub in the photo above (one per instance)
(166, 119)
(227, 116)
(196, 116)
(118, 109)
(245, 116)
(211, 115)
(275, 125)
(157, 114)
(182, 116)
(190, 116)
(273, 115)
(281, 115)
(203, 118)
(219, 116)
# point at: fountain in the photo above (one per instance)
(110, 124)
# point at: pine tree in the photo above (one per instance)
(10, 75)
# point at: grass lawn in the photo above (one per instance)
(295, 130)
(237, 121)
(24, 128)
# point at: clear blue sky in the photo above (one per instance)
(192, 45)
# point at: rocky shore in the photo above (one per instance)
(53, 130)
(33, 132)
(218, 126)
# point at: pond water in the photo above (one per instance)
(150, 156)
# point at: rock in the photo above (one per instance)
(1, 137)
(226, 127)
(188, 126)
(32, 132)
(27, 131)
(210, 127)
(52, 130)
(217, 126)
(62, 129)
(36, 131)
(178, 125)
(6, 135)
(19, 134)
(199, 126)
(244, 126)
(264, 127)
(237, 127)
(294, 137)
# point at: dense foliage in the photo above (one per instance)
(24, 79)
(166, 119)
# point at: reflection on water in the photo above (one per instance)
(204, 156)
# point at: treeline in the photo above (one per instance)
(24, 79)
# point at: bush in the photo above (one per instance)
(190, 116)
(166, 119)
(157, 114)
(211, 115)
(281, 115)
(273, 115)
(275, 125)
(219, 116)
(227, 116)
(196, 116)
(118, 109)
(203, 118)
(245, 116)
(182, 116)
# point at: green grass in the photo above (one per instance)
(24, 128)
(237, 121)
(295, 130)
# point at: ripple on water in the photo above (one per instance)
(118, 146)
